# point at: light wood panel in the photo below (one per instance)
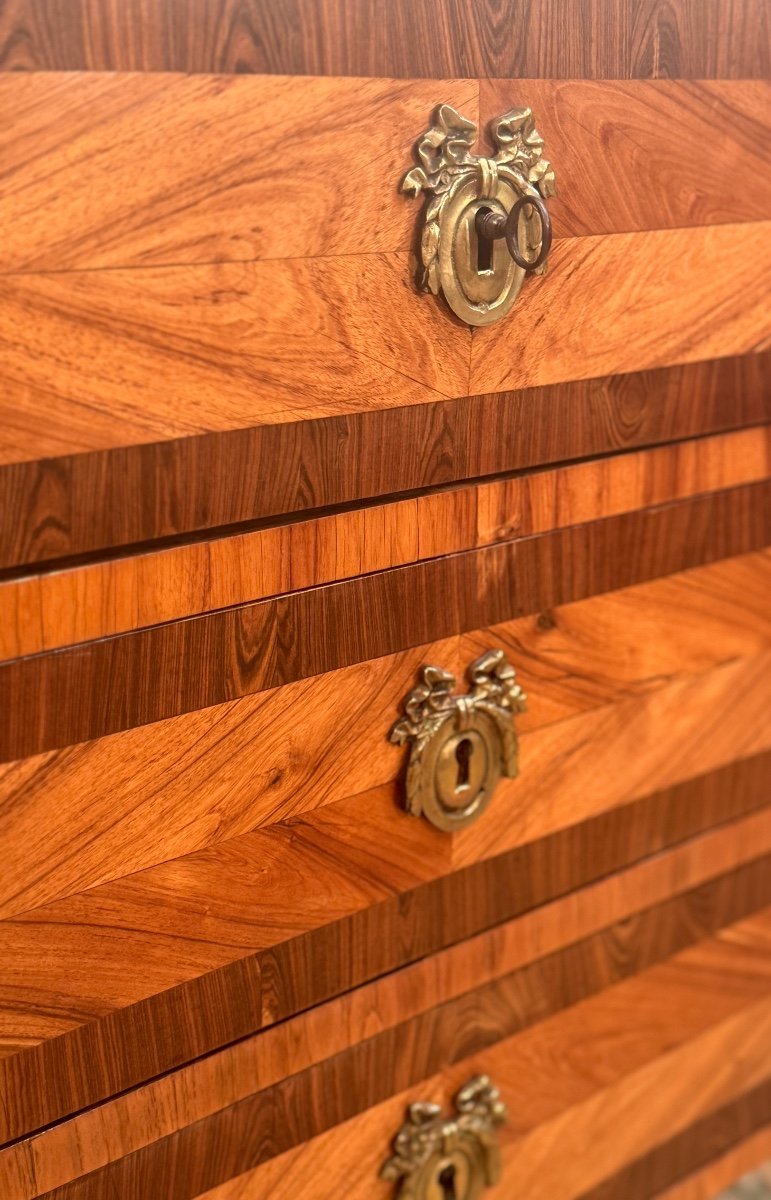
(146, 352)
(625, 302)
(179, 169)
(130, 493)
(122, 1126)
(589, 764)
(633, 156)
(589, 38)
(46, 611)
(230, 942)
(182, 169)
(104, 358)
(608, 1057)
(600, 675)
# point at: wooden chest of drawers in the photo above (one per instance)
(253, 481)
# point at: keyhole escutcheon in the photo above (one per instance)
(485, 249)
(463, 752)
(447, 1182)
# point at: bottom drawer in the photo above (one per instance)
(617, 1098)
(627, 1027)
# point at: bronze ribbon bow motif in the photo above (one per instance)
(459, 745)
(456, 1156)
(485, 224)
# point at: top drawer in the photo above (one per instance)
(208, 314)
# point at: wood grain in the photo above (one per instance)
(146, 351)
(185, 169)
(631, 668)
(299, 1169)
(626, 302)
(632, 156)
(588, 38)
(46, 611)
(713, 1133)
(124, 1125)
(611, 1077)
(713, 1136)
(137, 356)
(79, 694)
(233, 940)
(587, 765)
(181, 169)
(716, 1176)
(112, 493)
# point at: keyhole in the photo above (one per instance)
(484, 250)
(447, 1183)
(463, 752)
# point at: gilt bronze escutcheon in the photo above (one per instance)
(485, 223)
(459, 745)
(449, 1158)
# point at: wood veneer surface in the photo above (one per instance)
(673, 1023)
(711, 1137)
(183, 169)
(98, 359)
(68, 504)
(241, 391)
(82, 693)
(709, 1181)
(56, 608)
(229, 943)
(628, 301)
(715, 1134)
(731, 1134)
(629, 155)
(609, 679)
(587, 38)
(126, 1124)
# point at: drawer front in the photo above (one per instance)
(630, 633)
(642, 1054)
(207, 325)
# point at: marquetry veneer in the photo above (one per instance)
(196, 325)
(71, 504)
(252, 481)
(160, 205)
(648, 1053)
(93, 600)
(629, 691)
(519, 1017)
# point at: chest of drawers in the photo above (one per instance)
(292, 861)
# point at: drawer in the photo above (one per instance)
(215, 703)
(644, 1054)
(231, 363)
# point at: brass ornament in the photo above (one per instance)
(437, 1157)
(459, 745)
(466, 252)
